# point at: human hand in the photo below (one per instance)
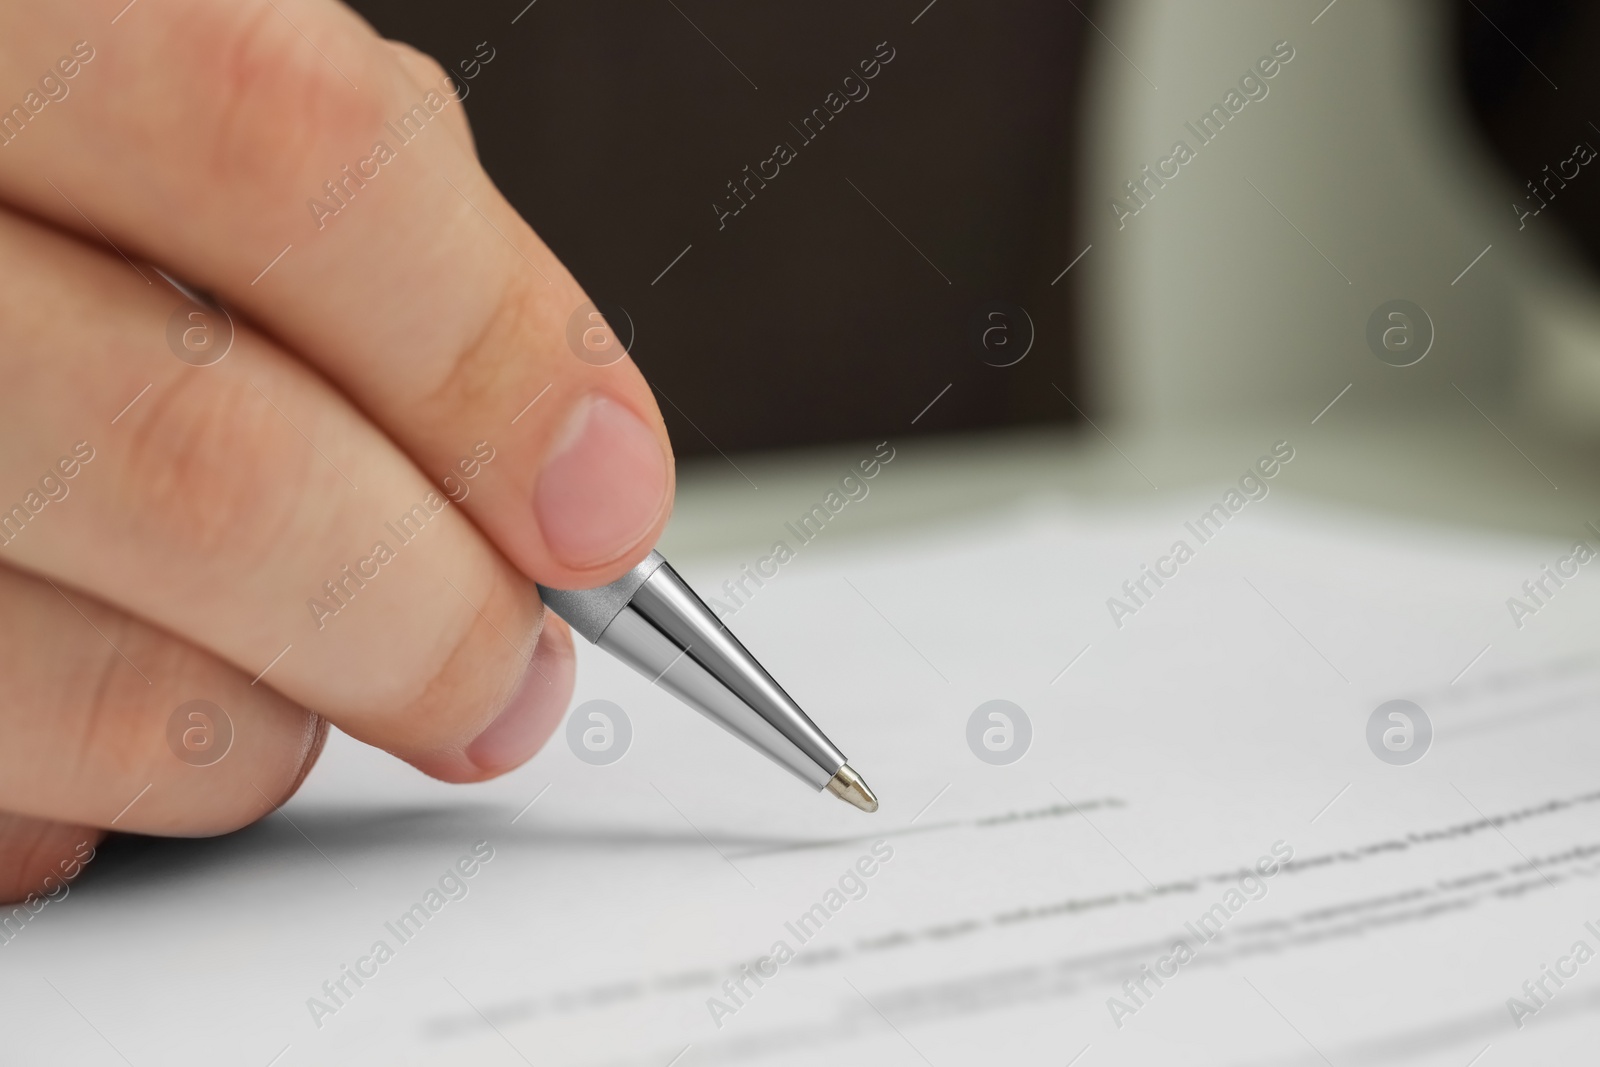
(341, 520)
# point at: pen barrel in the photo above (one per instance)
(652, 621)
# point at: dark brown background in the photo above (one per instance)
(613, 126)
(1534, 99)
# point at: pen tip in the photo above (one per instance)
(850, 787)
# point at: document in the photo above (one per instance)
(1319, 788)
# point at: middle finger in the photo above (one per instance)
(248, 507)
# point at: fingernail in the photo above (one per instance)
(603, 487)
(534, 710)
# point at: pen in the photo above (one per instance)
(651, 620)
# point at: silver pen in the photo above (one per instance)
(651, 620)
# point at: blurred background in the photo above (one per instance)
(837, 304)
(921, 239)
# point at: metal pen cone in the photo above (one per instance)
(652, 621)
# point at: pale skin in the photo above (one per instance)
(370, 360)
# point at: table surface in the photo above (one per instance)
(1502, 475)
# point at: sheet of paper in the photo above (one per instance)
(1200, 775)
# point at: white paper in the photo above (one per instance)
(1227, 716)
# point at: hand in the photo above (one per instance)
(342, 518)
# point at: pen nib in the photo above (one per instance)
(849, 786)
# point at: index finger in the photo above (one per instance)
(279, 154)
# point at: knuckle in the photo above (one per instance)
(424, 69)
(104, 730)
(431, 75)
(481, 373)
(38, 857)
(124, 735)
(111, 741)
(215, 471)
(277, 105)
